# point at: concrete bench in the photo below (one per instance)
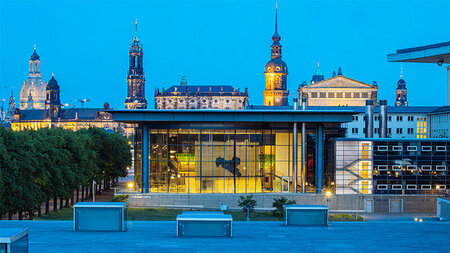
(204, 224)
(13, 240)
(100, 216)
(306, 215)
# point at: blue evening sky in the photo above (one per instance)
(85, 44)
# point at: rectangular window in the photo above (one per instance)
(382, 187)
(323, 94)
(313, 94)
(410, 130)
(397, 148)
(426, 148)
(441, 148)
(441, 168)
(426, 187)
(356, 95)
(410, 118)
(411, 187)
(426, 167)
(354, 130)
(399, 130)
(376, 118)
(397, 187)
(382, 148)
(412, 148)
(399, 118)
(376, 130)
(330, 94)
(339, 95)
(355, 118)
(397, 167)
(348, 95)
(382, 167)
(389, 118)
(365, 95)
(389, 130)
(412, 167)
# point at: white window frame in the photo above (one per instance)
(441, 187)
(397, 187)
(441, 148)
(396, 167)
(426, 147)
(411, 167)
(428, 167)
(411, 187)
(439, 168)
(382, 148)
(397, 148)
(425, 187)
(385, 167)
(382, 187)
(411, 148)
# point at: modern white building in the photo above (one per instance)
(440, 122)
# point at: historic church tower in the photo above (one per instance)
(52, 101)
(276, 93)
(400, 98)
(136, 78)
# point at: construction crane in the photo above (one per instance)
(82, 101)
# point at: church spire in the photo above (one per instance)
(275, 36)
(136, 38)
(401, 71)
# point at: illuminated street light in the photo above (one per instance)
(328, 194)
(130, 185)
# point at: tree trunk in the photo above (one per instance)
(20, 215)
(61, 203)
(67, 202)
(78, 194)
(55, 204)
(47, 206)
(39, 210)
(72, 198)
(10, 215)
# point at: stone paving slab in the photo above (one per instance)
(160, 236)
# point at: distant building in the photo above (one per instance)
(135, 76)
(186, 96)
(276, 93)
(32, 93)
(53, 115)
(337, 91)
(440, 122)
(400, 92)
(11, 108)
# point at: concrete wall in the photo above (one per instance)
(443, 209)
(337, 203)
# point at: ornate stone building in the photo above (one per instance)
(135, 76)
(400, 92)
(276, 93)
(185, 96)
(32, 93)
(53, 115)
(337, 91)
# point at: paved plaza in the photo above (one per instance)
(159, 236)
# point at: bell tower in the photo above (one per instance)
(276, 71)
(400, 96)
(135, 76)
(52, 101)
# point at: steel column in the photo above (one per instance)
(294, 158)
(144, 158)
(303, 156)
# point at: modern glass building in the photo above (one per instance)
(235, 151)
(392, 166)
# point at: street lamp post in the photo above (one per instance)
(328, 194)
(93, 190)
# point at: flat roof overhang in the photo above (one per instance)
(424, 54)
(241, 116)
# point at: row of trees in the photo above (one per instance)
(37, 166)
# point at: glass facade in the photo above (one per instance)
(220, 160)
(392, 166)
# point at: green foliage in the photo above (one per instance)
(345, 217)
(279, 204)
(247, 201)
(120, 198)
(37, 165)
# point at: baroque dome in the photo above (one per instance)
(276, 66)
(35, 86)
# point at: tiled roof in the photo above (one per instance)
(66, 114)
(201, 88)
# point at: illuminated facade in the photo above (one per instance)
(338, 91)
(54, 116)
(392, 166)
(32, 93)
(186, 96)
(243, 151)
(276, 93)
(135, 76)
